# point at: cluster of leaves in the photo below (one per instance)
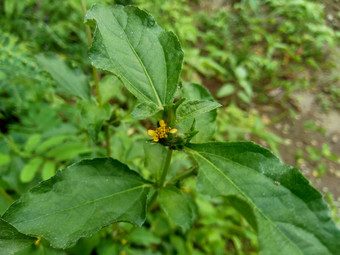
(42, 25)
(49, 120)
(94, 193)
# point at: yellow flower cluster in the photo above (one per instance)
(162, 131)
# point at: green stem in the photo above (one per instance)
(107, 140)
(96, 82)
(165, 169)
(94, 70)
(192, 171)
(6, 196)
(152, 200)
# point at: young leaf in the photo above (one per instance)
(80, 200)
(32, 142)
(4, 159)
(72, 82)
(177, 206)
(128, 43)
(28, 172)
(194, 108)
(292, 218)
(226, 90)
(205, 123)
(67, 151)
(48, 170)
(144, 110)
(11, 240)
(49, 143)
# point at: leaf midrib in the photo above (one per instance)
(87, 203)
(243, 194)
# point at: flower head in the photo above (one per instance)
(162, 131)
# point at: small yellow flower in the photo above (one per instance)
(161, 132)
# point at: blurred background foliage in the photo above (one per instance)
(248, 53)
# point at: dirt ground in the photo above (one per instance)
(332, 10)
(298, 137)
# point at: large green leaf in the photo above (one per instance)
(128, 43)
(72, 82)
(80, 200)
(11, 240)
(292, 217)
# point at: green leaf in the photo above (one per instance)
(49, 143)
(111, 87)
(67, 151)
(292, 218)
(144, 111)
(85, 246)
(144, 236)
(226, 90)
(72, 82)
(154, 153)
(48, 170)
(28, 172)
(41, 250)
(32, 142)
(176, 205)
(94, 116)
(205, 123)
(194, 108)
(4, 204)
(4, 159)
(244, 97)
(79, 201)
(11, 240)
(128, 43)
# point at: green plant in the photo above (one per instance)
(288, 215)
(236, 124)
(264, 49)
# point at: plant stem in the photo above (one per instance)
(107, 140)
(190, 172)
(152, 200)
(96, 83)
(94, 70)
(6, 196)
(165, 169)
